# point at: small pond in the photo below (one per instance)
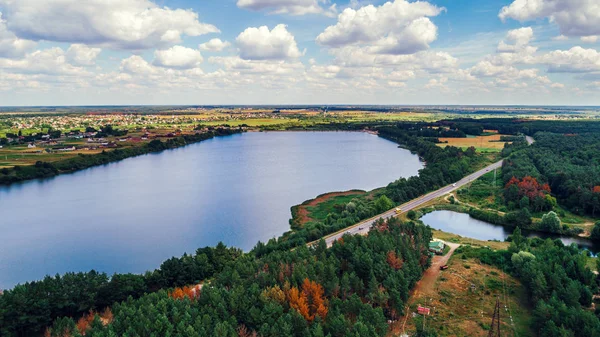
(464, 225)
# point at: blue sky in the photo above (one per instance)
(69, 52)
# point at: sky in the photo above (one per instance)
(209, 52)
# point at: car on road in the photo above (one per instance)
(360, 228)
(454, 184)
(444, 267)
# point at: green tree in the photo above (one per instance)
(384, 204)
(596, 232)
(551, 222)
(517, 241)
(524, 203)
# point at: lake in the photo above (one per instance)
(131, 215)
(464, 225)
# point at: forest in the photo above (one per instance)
(564, 166)
(350, 289)
(559, 284)
(28, 308)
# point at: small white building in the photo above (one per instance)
(31, 146)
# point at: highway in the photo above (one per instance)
(365, 226)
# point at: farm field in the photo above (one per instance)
(489, 143)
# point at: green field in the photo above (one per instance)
(322, 209)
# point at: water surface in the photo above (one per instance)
(464, 225)
(131, 215)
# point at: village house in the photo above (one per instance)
(436, 247)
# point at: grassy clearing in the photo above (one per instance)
(484, 192)
(450, 237)
(464, 301)
(317, 209)
(592, 263)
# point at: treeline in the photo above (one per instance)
(435, 130)
(514, 126)
(29, 308)
(350, 289)
(82, 161)
(559, 284)
(567, 163)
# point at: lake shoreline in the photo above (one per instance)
(44, 170)
(228, 189)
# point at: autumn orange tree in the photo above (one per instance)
(180, 293)
(528, 192)
(394, 261)
(309, 301)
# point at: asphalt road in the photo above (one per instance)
(365, 226)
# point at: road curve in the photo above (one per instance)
(365, 226)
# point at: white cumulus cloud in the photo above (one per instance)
(118, 24)
(398, 27)
(178, 57)
(573, 17)
(82, 55)
(516, 39)
(214, 45)
(51, 61)
(574, 60)
(264, 44)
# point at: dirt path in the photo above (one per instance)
(425, 286)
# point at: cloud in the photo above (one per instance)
(51, 61)
(517, 39)
(433, 62)
(515, 48)
(116, 24)
(214, 45)
(574, 60)
(81, 54)
(10, 44)
(136, 64)
(395, 28)
(589, 39)
(292, 7)
(573, 17)
(178, 57)
(240, 65)
(264, 44)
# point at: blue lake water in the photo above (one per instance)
(131, 215)
(464, 225)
